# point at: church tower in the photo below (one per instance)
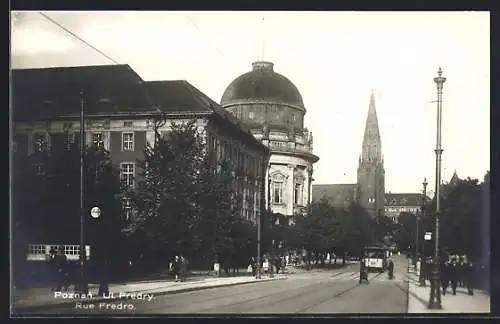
(371, 173)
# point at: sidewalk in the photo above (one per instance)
(44, 298)
(418, 299)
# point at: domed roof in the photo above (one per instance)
(262, 84)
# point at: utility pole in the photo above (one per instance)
(83, 284)
(435, 294)
(422, 262)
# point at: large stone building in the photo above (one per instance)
(119, 109)
(370, 188)
(272, 107)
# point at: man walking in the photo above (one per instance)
(453, 273)
(444, 276)
(183, 268)
(469, 277)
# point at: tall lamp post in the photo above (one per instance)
(435, 294)
(83, 284)
(421, 277)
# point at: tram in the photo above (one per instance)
(375, 258)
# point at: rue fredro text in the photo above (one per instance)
(111, 295)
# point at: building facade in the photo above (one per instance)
(271, 106)
(119, 111)
(397, 203)
(369, 190)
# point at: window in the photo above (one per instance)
(294, 117)
(298, 194)
(127, 208)
(97, 140)
(127, 171)
(39, 142)
(72, 250)
(371, 200)
(127, 124)
(251, 115)
(127, 141)
(227, 151)
(278, 192)
(36, 249)
(69, 140)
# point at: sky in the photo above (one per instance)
(334, 58)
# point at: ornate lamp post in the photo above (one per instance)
(435, 294)
(421, 277)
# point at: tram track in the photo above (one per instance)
(319, 301)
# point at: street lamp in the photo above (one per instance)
(83, 287)
(421, 277)
(435, 294)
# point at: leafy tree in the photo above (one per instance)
(460, 218)
(168, 195)
(47, 197)
(221, 217)
(357, 230)
(405, 232)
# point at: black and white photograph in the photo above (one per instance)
(251, 163)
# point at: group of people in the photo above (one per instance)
(455, 271)
(268, 264)
(179, 268)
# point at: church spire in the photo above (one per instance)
(372, 144)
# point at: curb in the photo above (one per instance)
(19, 310)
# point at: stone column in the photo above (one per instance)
(290, 192)
(309, 184)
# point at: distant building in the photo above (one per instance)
(272, 108)
(119, 108)
(370, 188)
(397, 203)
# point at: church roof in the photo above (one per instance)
(336, 194)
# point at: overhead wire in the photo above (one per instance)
(77, 37)
(195, 25)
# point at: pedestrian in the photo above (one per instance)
(61, 268)
(462, 271)
(253, 264)
(444, 276)
(103, 276)
(183, 268)
(453, 274)
(176, 267)
(469, 278)
(390, 269)
(363, 274)
(52, 267)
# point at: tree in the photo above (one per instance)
(168, 194)
(460, 218)
(318, 232)
(405, 232)
(47, 197)
(357, 230)
(221, 216)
